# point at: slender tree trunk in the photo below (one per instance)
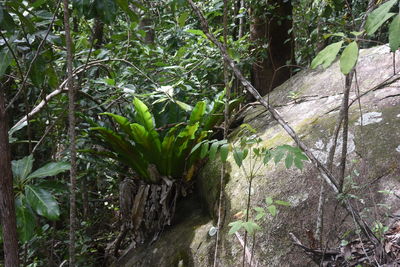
(271, 29)
(72, 137)
(7, 202)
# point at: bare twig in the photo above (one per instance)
(345, 132)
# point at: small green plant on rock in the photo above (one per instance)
(257, 156)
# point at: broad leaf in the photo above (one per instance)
(251, 227)
(238, 156)
(213, 150)
(21, 168)
(289, 160)
(184, 106)
(298, 163)
(198, 112)
(272, 210)
(122, 121)
(126, 152)
(224, 151)
(6, 21)
(379, 16)
(204, 150)
(50, 169)
(5, 60)
(394, 34)
(267, 157)
(42, 202)
(143, 116)
(182, 19)
(278, 155)
(269, 200)
(197, 146)
(282, 203)
(235, 226)
(349, 58)
(38, 3)
(327, 55)
(25, 222)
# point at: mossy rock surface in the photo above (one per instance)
(373, 166)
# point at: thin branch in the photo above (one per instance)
(345, 132)
(61, 89)
(72, 136)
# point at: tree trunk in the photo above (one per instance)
(146, 24)
(72, 137)
(272, 31)
(7, 202)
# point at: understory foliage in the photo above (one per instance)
(150, 105)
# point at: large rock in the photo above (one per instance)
(310, 103)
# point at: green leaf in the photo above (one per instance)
(327, 55)
(235, 226)
(183, 106)
(151, 139)
(38, 71)
(50, 169)
(272, 210)
(278, 155)
(122, 121)
(300, 154)
(394, 34)
(238, 156)
(213, 150)
(269, 200)
(21, 168)
(224, 151)
(197, 32)
(357, 33)
(349, 58)
(267, 157)
(38, 3)
(282, 203)
(197, 146)
(25, 222)
(6, 21)
(339, 34)
(289, 160)
(251, 227)
(198, 112)
(143, 116)
(259, 209)
(42, 202)
(259, 216)
(204, 150)
(53, 186)
(298, 163)
(5, 60)
(182, 19)
(377, 17)
(127, 153)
